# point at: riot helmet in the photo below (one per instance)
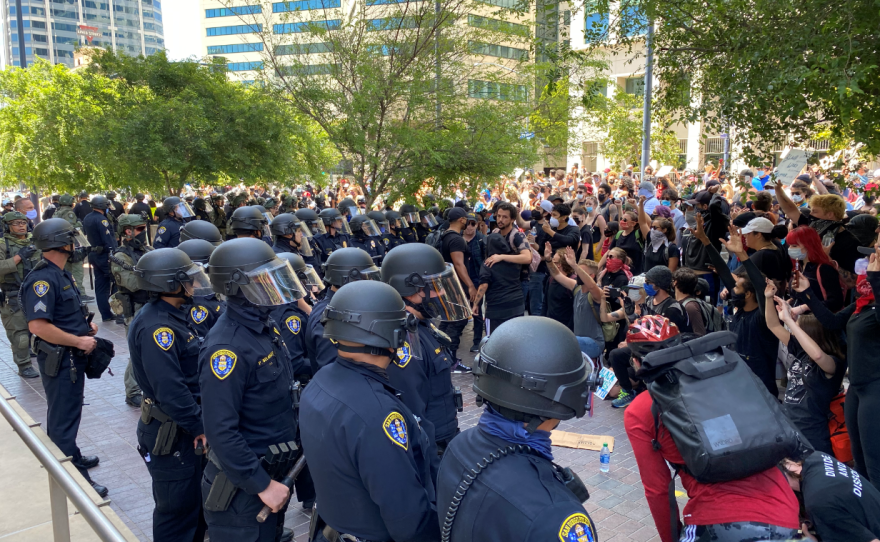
(312, 220)
(250, 218)
(198, 250)
(179, 207)
(248, 268)
(428, 219)
(111, 195)
(100, 203)
(348, 265)
(305, 272)
(396, 221)
(288, 224)
(201, 229)
(66, 200)
(333, 218)
(380, 219)
(362, 225)
(416, 269)
(349, 207)
(57, 233)
(410, 212)
(167, 269)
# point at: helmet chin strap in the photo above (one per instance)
(371, 350)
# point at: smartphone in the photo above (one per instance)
(614, 293)
(794, 276)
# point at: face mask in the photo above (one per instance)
(691, 220)
(797, 198)
(554, 223)
(32, 214)
(650, 290)
(580, 196)
(613, 265)
(796, 253)
(738, 300)
(657, 236)
(665, 202)
(635, 295)
(861, 266)
(602, 197)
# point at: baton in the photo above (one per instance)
(287, 481)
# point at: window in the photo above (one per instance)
(303, 48)
(234, 48)
(635, 85)
(500, 51)
(499, 26)
(238, 29)
(37, 24)
(294, 28)
(64, 13)
(41, 38)
(591, 153)
(64, 27)
(244, 66)
(510, 4)
(304, 5)
(490, 90)
(391, 23)
(595, 27)
(633, 22)
(566, 18)
(41, 52)
(229, 12)
(383, 2)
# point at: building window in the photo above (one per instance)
(510, 4)
(305, 5)
(392, 23)
(37, 24)
(566, 18)
(234, 48)
(635, 85)
(634, 22)
(229, 12)
(231, 30)
(244, 66)
(383, 2)
(590, 158)
(41, 52)
(295, 28)
(303, 48)
(595, 27)
(499, 51)
(498, 25)
(41, 38)
(306, 70)
(490, 90)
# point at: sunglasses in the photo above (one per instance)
(624, 221)
(471, 223)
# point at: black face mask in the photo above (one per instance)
(738, 300)
(603, 197)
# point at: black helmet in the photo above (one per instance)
(349, 264)
(167, 269)
(201, 229)
(312, 220)
(379, 218)
(248, 218)
(410, 212)
(100, 203)
(248, 268)
(345, 206)
(199, 204)
(168, 204)
(285, 224)
(111, 194)
(363, 225)
(531, 368)
(57, 233)
(370, 314)
(198, 250)
(139, 197)
(305, 272)
(393, 217)
(415, 268)
(329, 216)
(179, 207)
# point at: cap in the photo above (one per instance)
(456, 213)
(555, 197)
(703, 198)
(743, 219)
(646, 188)
(710, 184)
(472, 217)
(547, 206)
(758, 225)
(803, 177)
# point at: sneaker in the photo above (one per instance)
(28, 372)
(85, 297)
(623, 400)
(475, 348)
(461, 369)
(134, 400)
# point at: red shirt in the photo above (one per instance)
(765, 497)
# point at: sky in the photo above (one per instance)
(182, 28)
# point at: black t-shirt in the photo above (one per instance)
(773, 262)
(560, 304)
(661, 257)
(672, 309)
(756, 345)
(843, 506)
(633, 245)
(809, 393)
(845, 250)
(453, 242)
(504, 297)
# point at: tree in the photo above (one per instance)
(621, 119)
(396, 88)
(171, 123)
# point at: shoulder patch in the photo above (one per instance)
(395, 428)
(294, 324)
(577, 528)
(222, 363)
(404, 355)
(386, 241)
(198, 314)
(41, 287)
(105, 223)
(162, 230)
(164, 337)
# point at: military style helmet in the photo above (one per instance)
(167, 269)
(198, 250)
(364, 225)
(178, 206)
(139, 196)
(347, 206)
(410, 212)
(531, 369)
(248, 268)
(305, 272)
(248, 218)
(329, 216)
(417, 268)
(379, 218)
(285, 224)
(66, 200)
(111, 194)
(129, 221)
(100, 202)
(348, 265)
(199, 204)
(14, 215)
(57, 233)
(314, 222)
(393, 217)
(371, 314)
(200, 229)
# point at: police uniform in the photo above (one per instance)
(165, 360)
(409, 235)
(292, 322)
(283, 245)
(327, 243)
(367, 455)
(168, 234)
(517, 497)
(97, 228)
(49, 293)
(391, 240)
(203, 312)
(372, 245)
(421, 232)
(12, 275)
(75, 268)
(247, 406)
(320, 350)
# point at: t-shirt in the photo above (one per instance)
(774, 263)
(504, 296)
(809, 393)
(843, 506)
(756, 345)
(661, 257)
(585, 322)
(453, 242)
(670, 308)
(632, 244)
(560, 304)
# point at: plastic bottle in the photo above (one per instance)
(728, 316)
(604, 458)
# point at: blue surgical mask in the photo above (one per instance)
(32, 214)
(590, 209)
(650, 290)
(796, 253)
(665, 202)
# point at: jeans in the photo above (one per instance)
(536, 293)
(619, 360)
(454, 330)
(590, 347)
(493, 323)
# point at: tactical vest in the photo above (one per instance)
(139, 296)
(67, 214)
(12, 281)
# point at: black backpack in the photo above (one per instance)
(435, 239)
(713, 319)
(724, 422)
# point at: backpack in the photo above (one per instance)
(638, 233)
(435, 239)
(536, 258)
(609, 329)
(840, 442)
(724, 422)
(713, 319)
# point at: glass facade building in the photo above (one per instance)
(53, 29)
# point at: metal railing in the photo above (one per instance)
(62, 485)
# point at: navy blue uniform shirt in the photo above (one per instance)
(246, 404)
(391, 240)
(100, 233)
(320, 350)
(49, 293)
(327, 243)
(204, 312)
(366, 454)
(283, 245)
(409, 235)
(291, 321)
(372, 246)
(168, 234)
(165, 360)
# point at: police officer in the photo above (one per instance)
(75, 268)
(219, 217)
(165, 356)
(348, 209)
(426, 224)
(176, 212)
(409, 212)
(343, 266)
(116, 208)
(203, 310)
(236, 202)
(380, 219)
(16, 261)
(292, 235)
(129, 298)
(366, 451)
(249, 221)
(199, 229)
(431, 290)
(50, 210)
(57, 316)
(337, 236)
(366, 236)
(514, 436)
(203, 210)
(393, 236)
(246, 383)
(315, 225)
(97, 228)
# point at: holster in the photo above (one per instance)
(167, 430)
(54, 357)
(458, 399)
(222, 490)
(127, 306)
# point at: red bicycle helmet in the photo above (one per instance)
(650, 333)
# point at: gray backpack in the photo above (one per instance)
(713, 319)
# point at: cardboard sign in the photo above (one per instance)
(792, 165)
(608, 381)
(664, 171)
(581, 442)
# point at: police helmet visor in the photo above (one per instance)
(409, 218)
(353, 210)
(402, 222)
(305, 248)
(79, 240)
(317, 227)
(306, 231)
(183, 210)
(429, 221)
(340, 224)
(273, 283)
(370, 228)
(446, 299)
(197, 281)
(311, 279)
(411, 347)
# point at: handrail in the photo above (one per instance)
(62, 485)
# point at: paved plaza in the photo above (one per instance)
(617, 501)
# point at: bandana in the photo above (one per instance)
(866, 294)
(658, 239)
(513, 432)
(616, 265)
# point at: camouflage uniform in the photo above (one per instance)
(65, 211)
(11, 277)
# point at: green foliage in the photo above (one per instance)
(620, 117)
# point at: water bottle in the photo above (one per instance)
(604, 458)
(728, 317)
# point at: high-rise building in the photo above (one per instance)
(53, 29)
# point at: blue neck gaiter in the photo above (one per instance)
(513, 432)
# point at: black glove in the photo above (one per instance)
(27, 252)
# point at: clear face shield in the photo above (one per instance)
(406, 219)
(354, 211)
(371, 228)
(317, 227)
(197, 282)
(310, 279)
(273, 283)
(79, 240)
(305, 246)
(184, 211)
(341, 225)
(442, 296)
(429, 221)
(306, 232)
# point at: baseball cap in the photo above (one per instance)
(646, 188)
(710, 184)
(803, 177)
(702, 198)
(758, 225)
(742, 219)
(555, 197)
(472, 217)
(456, 213)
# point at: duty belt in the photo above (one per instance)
(168, 429)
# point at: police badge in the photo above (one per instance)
(222, 363)
(294, 324)
(404, 355)
(395, 427)
(161, 230)
(164, 338)
(41, 287)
